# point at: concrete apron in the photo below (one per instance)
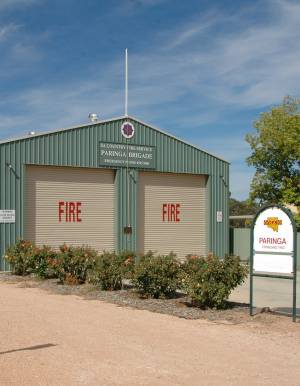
(277, 294)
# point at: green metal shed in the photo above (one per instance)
(117, 184)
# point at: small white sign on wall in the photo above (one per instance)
(7, 216)
(219, 216)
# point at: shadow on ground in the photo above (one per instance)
(286, 311)
(37, 347)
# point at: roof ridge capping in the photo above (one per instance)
(38, 134)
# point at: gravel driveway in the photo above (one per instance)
(51, 339)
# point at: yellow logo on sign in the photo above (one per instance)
(273, 223)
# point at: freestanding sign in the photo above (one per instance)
(273, 248)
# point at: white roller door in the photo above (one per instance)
(172, 213)
(69, 205)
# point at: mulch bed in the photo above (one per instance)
(181, 306)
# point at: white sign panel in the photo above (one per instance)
(273, 232)
(273, 263)
(219, 216)
(7, 215)
(273, 240)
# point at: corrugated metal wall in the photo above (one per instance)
(79, 147)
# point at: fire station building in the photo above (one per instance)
(119, 184)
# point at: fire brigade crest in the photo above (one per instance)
(127, 130)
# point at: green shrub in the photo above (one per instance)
(74, 263)
(157, 276)
(128, 259)
(111, 269)
(46, 263)
(209, 280)
(21, 257)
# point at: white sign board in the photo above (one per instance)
(7, 216)
(273, 263)
(219, 216)
(273, 239)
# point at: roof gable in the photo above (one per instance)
(90, 124)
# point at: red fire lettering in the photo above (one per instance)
(60, 209)
(78, 211)
(67, 211)
(164, 211)
(177, 213)
(71, 210)
(171, 212)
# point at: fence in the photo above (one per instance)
(239, 243)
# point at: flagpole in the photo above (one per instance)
(126, 115)
(126, 82)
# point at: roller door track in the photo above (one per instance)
(172, 213)
(70, 205)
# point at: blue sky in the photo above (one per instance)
(200, 70)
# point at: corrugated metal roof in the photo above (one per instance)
(38, 134)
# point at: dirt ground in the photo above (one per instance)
(50, 339)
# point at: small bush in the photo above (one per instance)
(26, 258)
(74, 263)
(111, 269)
(21, 257)
(46, 262)
(157, 276)
(209, 280)
(128, 259)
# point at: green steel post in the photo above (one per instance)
(251, 270)
(295, 276)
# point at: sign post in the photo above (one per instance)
(273, 248)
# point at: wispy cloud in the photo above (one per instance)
(231, 147)
(9, 4)
(200, 26)
(7, 30)
(250, 66)
(24, 52)
(190, 76)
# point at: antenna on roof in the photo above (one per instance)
(126, 82)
